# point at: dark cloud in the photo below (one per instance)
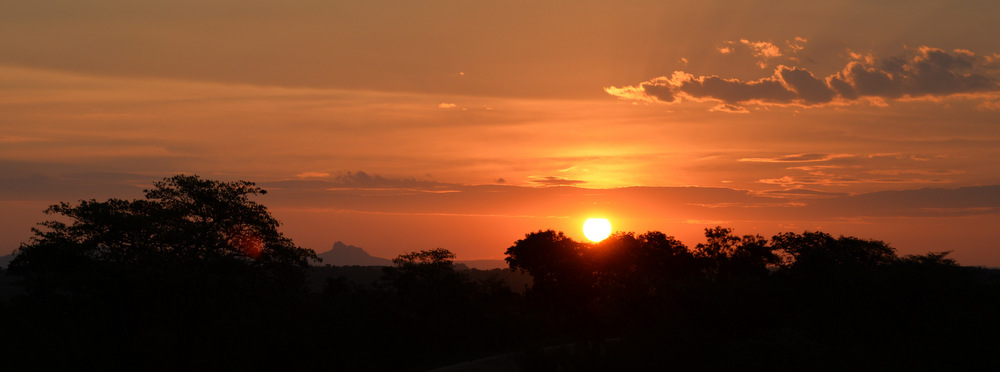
(558, 181)
(361, 182)
(806, 86)
(733, 109)
(360, 179)
(929, 202)
(663, 93)
(733, 91)
(796, 158)
(802, 193)
(19, 182)
(922, 72)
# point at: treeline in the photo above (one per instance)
(795, 301)
(196, 276)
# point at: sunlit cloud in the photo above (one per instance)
(796, 44)
(919, 73)
(886, 154)
(809, 168)
(749, 205)
(446, 105)
(762, 48)
(990, 105)
(312, 175)
(825, 179)
(763, 51)
(896, 172)
(732, 109)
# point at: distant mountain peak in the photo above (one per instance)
(348, 255)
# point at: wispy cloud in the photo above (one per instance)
(826, 179)
(18, 139)
(797, 158)
(312, 175)
(896, 172)
(801, 193)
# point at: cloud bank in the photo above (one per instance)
(920, 73)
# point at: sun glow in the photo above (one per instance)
(597, 229)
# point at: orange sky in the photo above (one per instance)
(400, 125)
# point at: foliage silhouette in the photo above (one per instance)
(426, 281)
(194, 274)
(557, 264)
(828, 303)
(183, 218)
(726, 255)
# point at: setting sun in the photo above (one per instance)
(597, 229)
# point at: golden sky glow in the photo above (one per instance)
(398, 125)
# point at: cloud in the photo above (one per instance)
(312, 175)
(826, 179)
(965, 201)
(358, 184)
(802, 193)
(364, 180)
(896, 172)
(815, 178)
(762, 51)
(732, 109)
(920, 73)
(762, 48)
(446, 105)
(809, 168)
(796, 44)
(797, 158)
(557, 181)
(990, 105)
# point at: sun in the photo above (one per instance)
(597, 229)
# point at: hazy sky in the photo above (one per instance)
(407, 125)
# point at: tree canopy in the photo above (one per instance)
(182, 218)
(186, 274)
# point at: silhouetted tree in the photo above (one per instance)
(634, 267)
(427, 278)
(819, 251)
(182, 219)
(726, 255)
(663, 256)
(556, 263)
(193, 264)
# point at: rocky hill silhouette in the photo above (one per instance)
(348, 255)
